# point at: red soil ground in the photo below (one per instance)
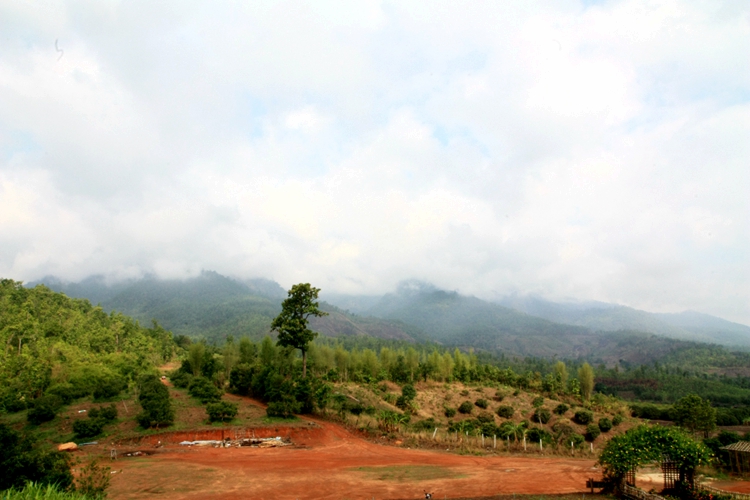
(328, 462)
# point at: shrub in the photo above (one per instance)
(408, 392)
(44, 409)
(617, 420)
(536, 434)
(466, 408)
(67, 392)
(12, 402)
(583, 417)
(221, 411)
(561, 409)
(592, 432)
(108, 413)
(605, 424)
(499, 396)
(450, 412)
(109, 387)
(542, 415)
(89, 427)
(425, 425)
(202, 389)
(21, 462)
(464, 393)
(281, 409)
(482, 403)
(485, 417)
(505, 411)
(538, 402)
(183, 379)
(93, 481)
(154, 399)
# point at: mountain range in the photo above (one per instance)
(213, 306)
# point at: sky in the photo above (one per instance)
(575, 150)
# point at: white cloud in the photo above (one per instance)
(597, 153)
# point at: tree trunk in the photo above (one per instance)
(304, 364)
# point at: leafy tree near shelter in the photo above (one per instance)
(695, 414)
(291, 323)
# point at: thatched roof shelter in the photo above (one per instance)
(739, 456)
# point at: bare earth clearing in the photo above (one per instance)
(326, 461)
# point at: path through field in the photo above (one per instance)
(327, 462)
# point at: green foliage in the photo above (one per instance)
(204, 390)
(22, 462)
(485, 417)
(537, 402)
(541, 415)
(154, 399)
(466, 408)
(93, 480)
(695, 414)
(616, 420)
(450, 412)
(44, 409)
(536, 434)
(583, 417)
(605, 424)
(505, 411)
(38, 491)
(291, 323)
(89, 427)
(222, 411)
(586, 380)
(644, 444)
(482, 403)
(561, 409)
(408, 392)
(592, 432)
(68, 348)
(285, 408)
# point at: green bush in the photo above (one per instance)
(44, 409)
(89, 427)
(541, 415)
(450, 412)
(592, 432)
(202, 389)
(538, 402)
(536, 434)
(617, 420)
(22, 462)
(221, 411)
(281, 409)
(561, 409)
(67, 392)
(154, 399)
(408, 392)
(499, 396)
(505, 411)
(583, 417)
(482, 403)
(605, 424)
(109, 387)
(182, 379)
(485, 417)
(466, 408)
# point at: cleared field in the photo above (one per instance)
(328, 462)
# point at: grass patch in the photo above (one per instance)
(402, 473)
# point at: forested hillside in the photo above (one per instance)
(67, 346)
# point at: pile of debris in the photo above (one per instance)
(236, 443)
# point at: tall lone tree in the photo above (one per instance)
(586, 379)
(292, 322)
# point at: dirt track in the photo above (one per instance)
(327, 462)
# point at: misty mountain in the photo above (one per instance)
(600, 316)
(213, 306)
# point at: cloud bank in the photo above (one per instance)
(589, 150)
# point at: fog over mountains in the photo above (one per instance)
(214, 306)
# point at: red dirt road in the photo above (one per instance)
(327, 462)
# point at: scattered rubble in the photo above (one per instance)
(236, 443)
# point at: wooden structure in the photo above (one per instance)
(671, 471)
(739, 456)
